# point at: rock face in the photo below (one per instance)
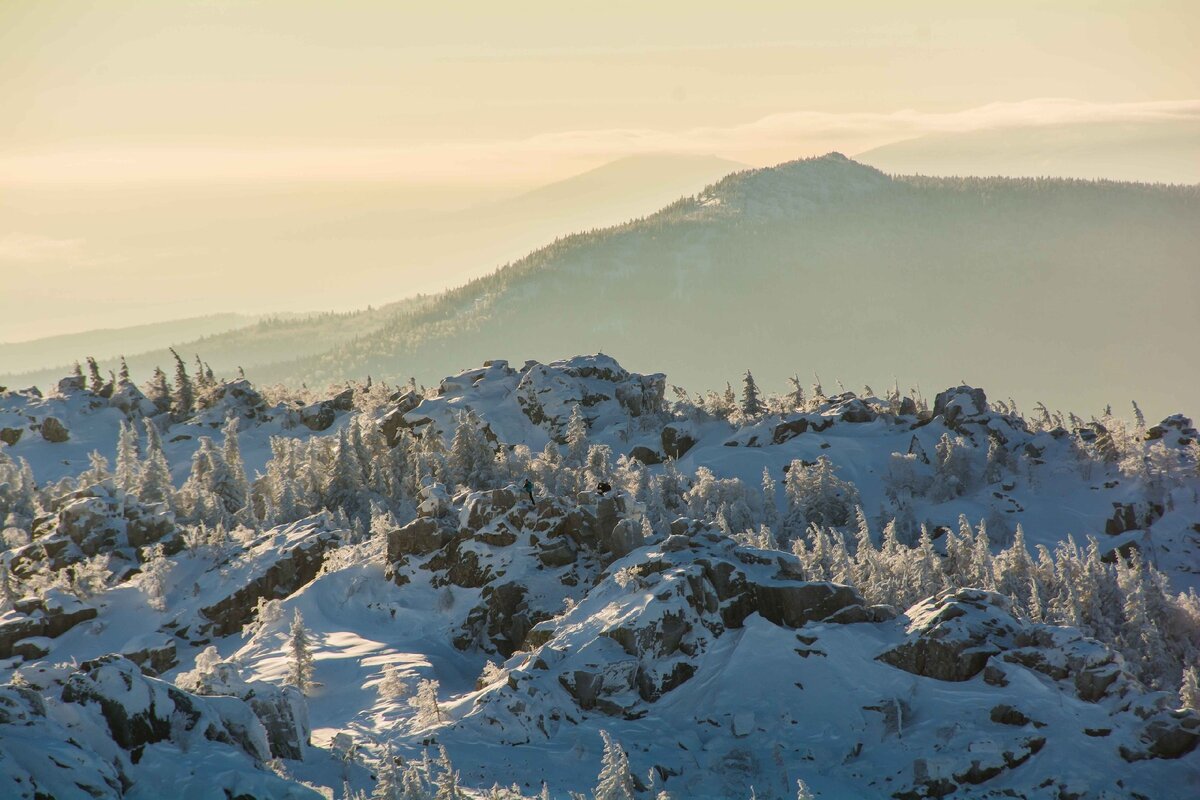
(54, 431)
(531, 404)
(642, 631)
(952, 638)
(46, 617)
(281, 709)
(139, 710)
(677, 439)
(95, 519)
(83, 732)
(297, 551)
(318, 416)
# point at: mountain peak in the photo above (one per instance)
(796, 186)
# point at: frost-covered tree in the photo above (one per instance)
(471, 459)
(387, 783)
(770, 513)
(752, 404)
(1189, 689)
(447, 777)
(156, 569)
(424, 703)
(235, 492)
(817, 496)
(300, 658)
(577, 438)
(615, 781)
(154, 480)
(183, 397)
(158, 391)
(393, 685)
(344, 487)
(128, 470)
(952, 477)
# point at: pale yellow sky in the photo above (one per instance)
(138, 105)
(505, 92)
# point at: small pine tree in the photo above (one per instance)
(158, 391)
(393, 685)
(183, 398)
(154, 576)
(577, 438)
(1189, 689)
(128, 469)
(387, 787)
(447, 779)
(615, 781)
(425, 703)
(154, 479)
(123, 371)
(752, 404)
(300, 658)
(95, 382)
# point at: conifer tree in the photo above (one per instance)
(154, 482)
(95, 382)
(447, 779)
(615, 781)
(1189, 689)
(577, 438)
(796, 396)
(387, 784)
(345, 486)
(183, 397)
(237, 489)
(424, 702)
(128, 469)
(752, 404)
(158, 391)
(123, 373)
(300, 658)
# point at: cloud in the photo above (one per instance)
(531, 160)
(25, 248)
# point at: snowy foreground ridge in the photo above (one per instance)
(216, 590)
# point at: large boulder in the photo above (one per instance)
(677, 439)
(281, 709)
(422, 536)
(140, 710)
(318, 416)
(289, 557)
(54, 431)
(951, 637)
(48, 616)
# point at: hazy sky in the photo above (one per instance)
(451, 103)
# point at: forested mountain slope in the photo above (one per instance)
(1035, 282)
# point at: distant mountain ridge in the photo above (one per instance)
(1078, 288)
(776, 269)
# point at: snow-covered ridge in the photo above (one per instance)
(773, 588)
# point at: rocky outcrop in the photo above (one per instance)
(297, 551)
(47, 617)
(54, 431)
(318, 416)
(281, 709)
(951, 638)
(139, 710)
(677, 439)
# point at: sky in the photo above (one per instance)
(149, 150)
